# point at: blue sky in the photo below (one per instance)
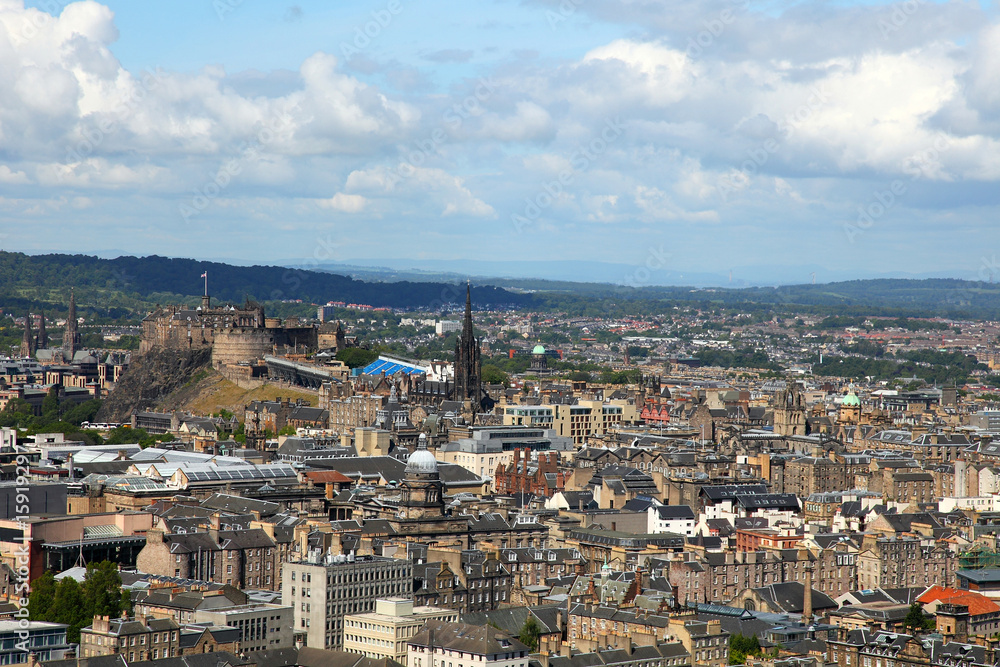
(851, 138)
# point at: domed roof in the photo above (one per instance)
(421, 461)
(538, 349)
(851, 400)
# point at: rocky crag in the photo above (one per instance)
(151, 377)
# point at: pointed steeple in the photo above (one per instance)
(71, 339)
(27, 340)
(467, 324)
(43, 336)
(468, 365)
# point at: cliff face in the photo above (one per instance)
(150, 378)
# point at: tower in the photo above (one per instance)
(850, 409)
(539, 360)
(28, 340)
(43, 336)
(71, 338)
(953, 622)
(790, 411)
(423, 492)
(468, 364)
(340, 340)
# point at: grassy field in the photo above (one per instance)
(208, 392)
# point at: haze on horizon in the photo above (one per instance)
(860, 138)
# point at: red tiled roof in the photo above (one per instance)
(978, 604)
(327, 476)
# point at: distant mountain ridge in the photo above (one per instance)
(153, 275)
(133, 284)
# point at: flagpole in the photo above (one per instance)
(206, 282)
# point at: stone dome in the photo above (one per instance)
(538, 349)
(422, 461)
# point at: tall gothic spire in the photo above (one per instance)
(71, 339)
(468, 365)
(28, 340)
(43, 336)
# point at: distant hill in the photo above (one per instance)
(32, 278)
(126, 286)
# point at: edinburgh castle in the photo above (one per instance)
(234, 334)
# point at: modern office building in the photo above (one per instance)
(384, 632)
(323, 589)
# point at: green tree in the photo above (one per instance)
(530, 633)
(741, 646)
(493, 375)
(915, 618)
(50, 404)
(102, 589)
(69, 606)
(43, 593)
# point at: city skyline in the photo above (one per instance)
(855, 137)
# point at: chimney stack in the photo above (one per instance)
(807, 596)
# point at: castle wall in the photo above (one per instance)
(235, 345)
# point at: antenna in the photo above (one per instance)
(813, 274)
(80, 560)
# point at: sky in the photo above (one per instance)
(708, 136)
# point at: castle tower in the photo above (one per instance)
(71, 338)
(28, 340)
(43, 336)
(468, 364)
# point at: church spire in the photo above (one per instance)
(28, 340)
(467, 324)
(71, 339)
(43, 336)
(468, 364)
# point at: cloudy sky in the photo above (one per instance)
(721, 134)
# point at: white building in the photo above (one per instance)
(385, 632)
(463, 645)
(678, 519)
(445, 327)
(263, 627)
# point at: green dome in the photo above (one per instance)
(851, 400)
(538, 349)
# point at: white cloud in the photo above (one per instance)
(344, 203)
(7, 175)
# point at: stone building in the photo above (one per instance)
(241, 558)
(790, 411)
(817, 473)
(133, 639)
(595, 627)
(900, 562)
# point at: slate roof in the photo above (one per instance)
(476, 639)
(789, 597)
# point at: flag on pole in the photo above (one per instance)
(204, 275)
